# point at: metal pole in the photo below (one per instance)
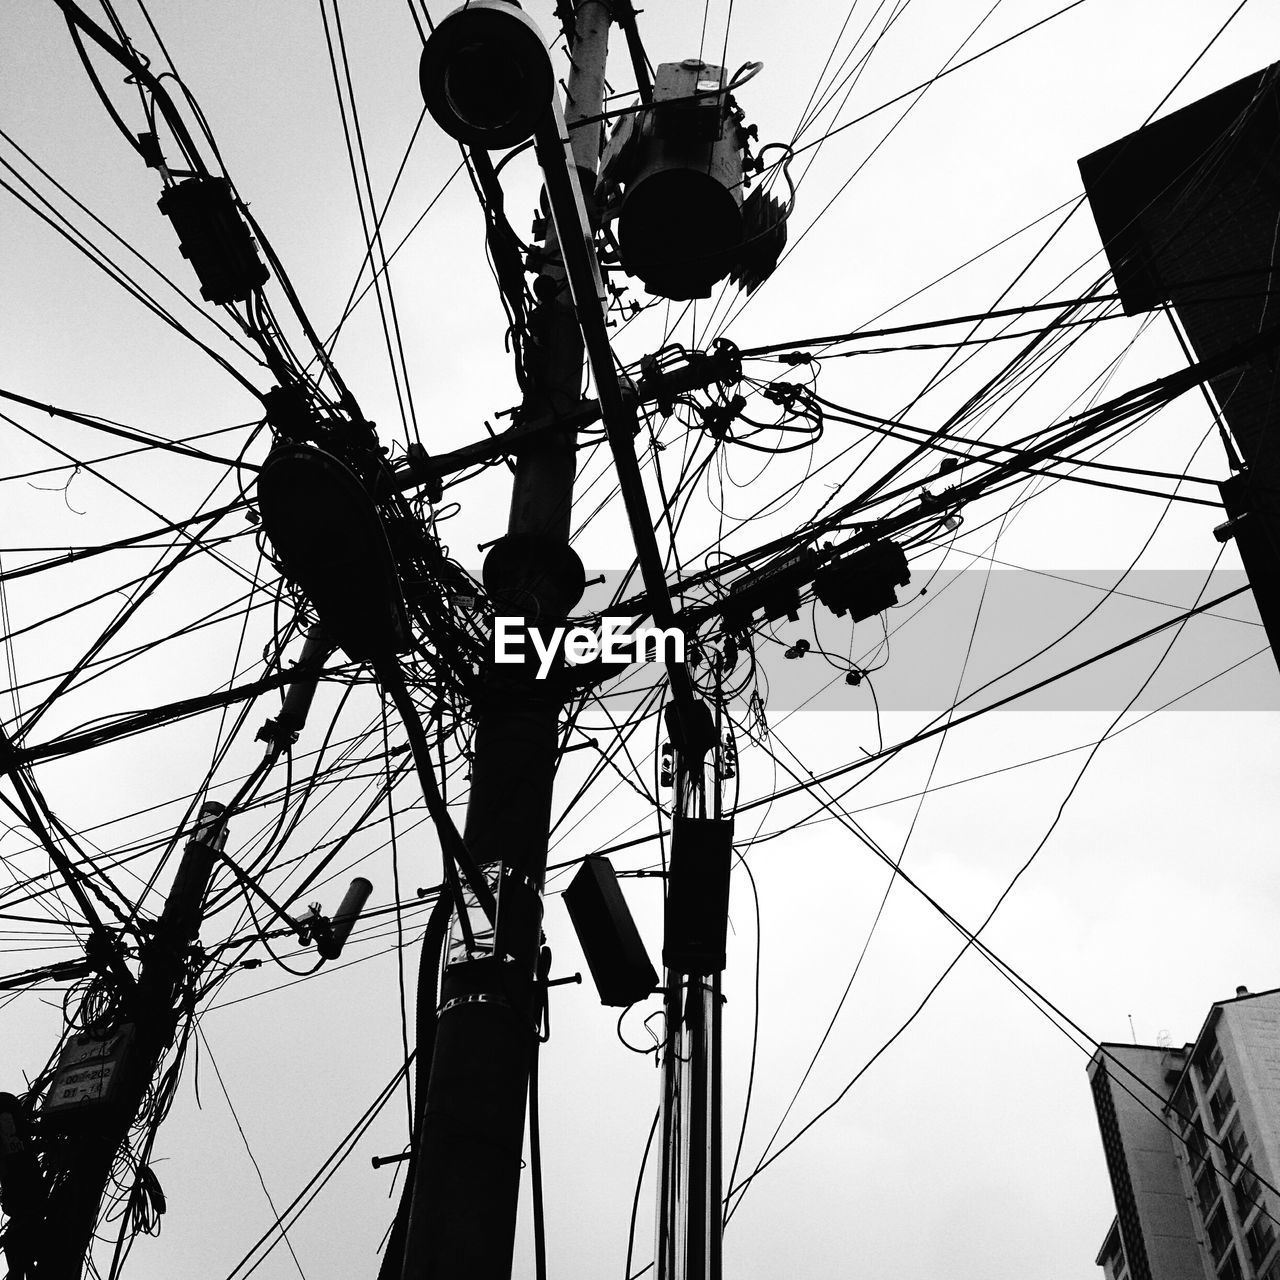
(715, 1187)
(471, 1122)
(690, 1213)
(667, 1232)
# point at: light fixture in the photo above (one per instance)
(486, 75)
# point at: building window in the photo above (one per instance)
(1221, 1100)
(1197, 1147)
(1209, 1064)
(1229, 1267)
(1219, 1232)
(1234, 1146)
(1247, 1191)
(1121, 1186)
(1183, 1106)
(1115, 1268)
(1207, 1189)
(1260, 1237)
(1113, 1263)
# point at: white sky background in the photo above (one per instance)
(970, 1148)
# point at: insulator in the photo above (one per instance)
(764, 236)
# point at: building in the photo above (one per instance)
(1191, 1137)
(1187, 209)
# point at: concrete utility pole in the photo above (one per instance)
(471, 1121)
(79, 1166)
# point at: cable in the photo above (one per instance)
(456, 856)
(535, 1166)
(318, 1181)
(213, 1062)
(627, 1273)
(971, 938)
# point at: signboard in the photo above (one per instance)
(88, 1072)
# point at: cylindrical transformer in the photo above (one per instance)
(680, 224)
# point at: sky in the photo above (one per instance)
(969, 1145)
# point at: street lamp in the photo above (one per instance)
(486, 75)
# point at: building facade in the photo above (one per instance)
(1192, 1143)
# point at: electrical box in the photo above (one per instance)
(696, 919)
(862, 584)
(775, 589)
(213, 237)
(620, 966)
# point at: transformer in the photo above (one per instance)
(680, 224)
(330, 540)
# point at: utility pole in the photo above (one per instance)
(78, 1162)
(462, 1210)
(100, 1084)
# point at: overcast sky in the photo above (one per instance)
(970, 1147)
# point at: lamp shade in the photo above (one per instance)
(486, 75)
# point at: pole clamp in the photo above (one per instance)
(479, 997)
(510, 873)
